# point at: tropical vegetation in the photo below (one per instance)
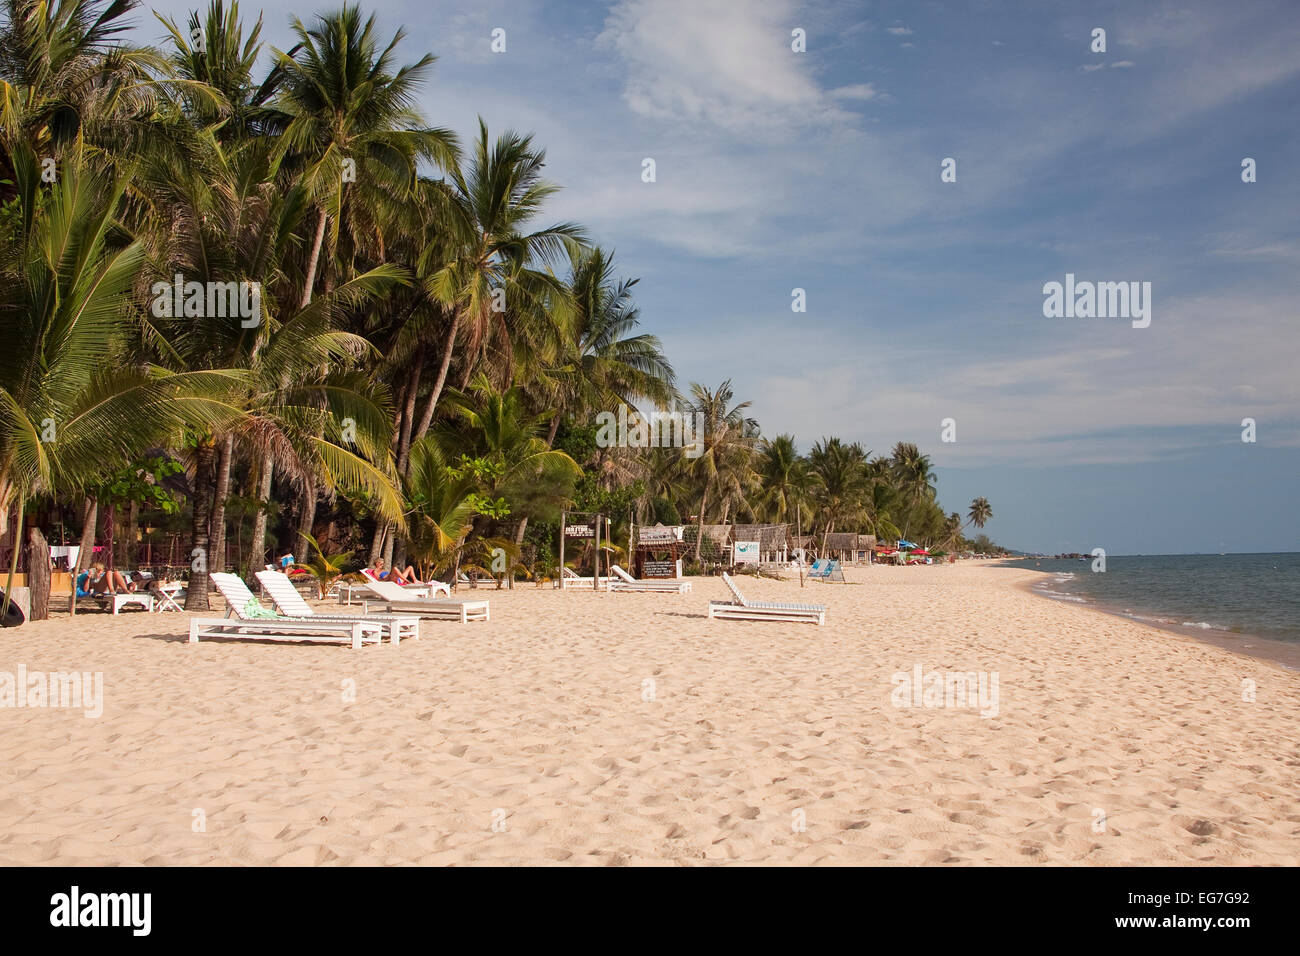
(255, 302)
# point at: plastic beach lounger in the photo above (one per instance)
(240, 623)
(745, 609)
(290, 603)
(394, 600)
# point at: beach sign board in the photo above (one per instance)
(746, 552)
(579, 531)
(659, 569)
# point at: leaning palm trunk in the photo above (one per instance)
(314, 261)
(87, 547)
(408, 417)
(440, 382)
(377, 542)
(699, 540)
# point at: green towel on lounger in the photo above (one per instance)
(254, 610)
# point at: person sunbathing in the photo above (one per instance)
(396, 575)
(96, 580)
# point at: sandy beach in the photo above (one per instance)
(615, 729)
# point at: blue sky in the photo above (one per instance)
(820, 170)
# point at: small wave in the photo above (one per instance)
(1202, 625)
(1147, 619)
(1061, 596)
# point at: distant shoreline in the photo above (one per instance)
(1281, 653)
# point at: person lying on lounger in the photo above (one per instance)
(96, 580)
(396, 575)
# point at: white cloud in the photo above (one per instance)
(857, 91)
(716, 62)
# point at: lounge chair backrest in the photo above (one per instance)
(570, 573)
(235, 591)
(623, 574)
(740, 598)
(284, 594)
(389, 590)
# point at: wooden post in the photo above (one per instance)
(798, 522)
(38, 574)
(631, 528)
(563, 522)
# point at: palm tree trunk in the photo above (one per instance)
(377, 541)
(131, 551)
(13, 560)
(91, 519)
(313, 261)
(427, 418)
(257, 546)
(218, 559)
(699, 540)
(308, 519)
(205, 479)
(408, 416)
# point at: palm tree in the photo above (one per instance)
(344, 102)
(227, 220)
(218, 89)
(605, 360)
(73, 407)
(441, 508)
(915, 476)
(496, 427)
(785, 478)
(486, 259)
(840, 482)
(67, 78)
(725, 445)
(980, 512)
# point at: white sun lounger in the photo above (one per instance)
(394, 599)
(238, 623)
(570, 580)
(291, 604)
(765, 610)
(114, 601)
(625, 582)
(430, 589)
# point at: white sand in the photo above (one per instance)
(538, 718)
